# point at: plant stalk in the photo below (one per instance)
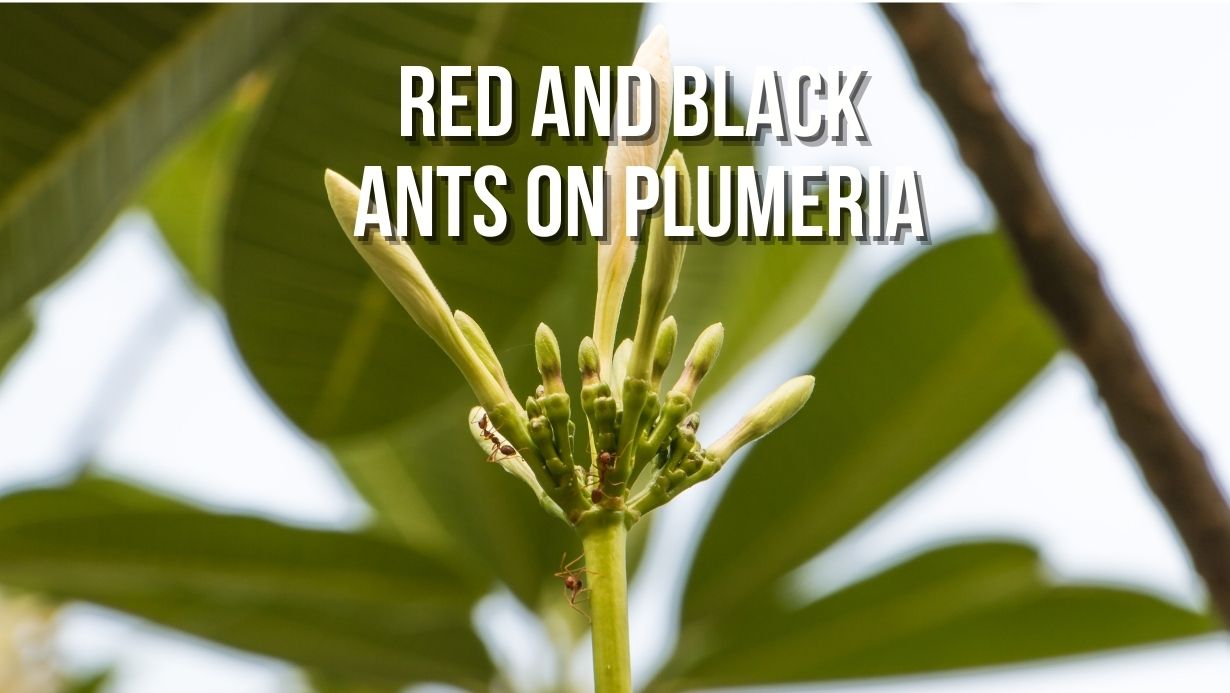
(604, 538)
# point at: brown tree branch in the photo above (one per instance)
(1067, 282)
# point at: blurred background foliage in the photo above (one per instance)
(220, 120)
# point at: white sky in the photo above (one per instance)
(1077, 79)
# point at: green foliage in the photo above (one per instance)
(92, 97)
(935, 353)
(90, 684)
(965, 605)
(14, 331)
(348, 604)
(188, 191)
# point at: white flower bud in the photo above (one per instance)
(397, 266)
(773, 411)
(618, 254)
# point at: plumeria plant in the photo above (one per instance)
(639, 448)
(910, 365)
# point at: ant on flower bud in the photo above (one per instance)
(606, 462)
(498, 445)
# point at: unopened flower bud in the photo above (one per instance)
(546, 351)
(474, 334)
(605, 424)
(616, 257)
(673, 411)
(700, 359)
(663, 263)
(556, 407)
(773, 411)
(588, 359)
(668, 334)
(397, 266)
(544, 441)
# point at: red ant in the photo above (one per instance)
(606, 461)
(573, 585)
(498, 446)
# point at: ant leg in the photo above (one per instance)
(572, 602)
(497, 450)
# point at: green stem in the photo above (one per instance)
(604, 538)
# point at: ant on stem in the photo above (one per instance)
(574, 586)
(498, 446)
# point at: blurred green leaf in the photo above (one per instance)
(93, 96)
(352, 605)
(14, 331)
(187, 193)
(938, 349)
(320, 332)
(965, 605)
(88, 684)
(91, 496)
(319, 683)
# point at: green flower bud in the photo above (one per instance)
(544, 441)
(700, 359)
(673, 412)
(397, 266)
(589, 396)
(773, 411)
(474, 334)
(668, 334)
(616, 257)
(557, 410)
(546, 352)
(587, 357)
(605, 413)
(663, 263)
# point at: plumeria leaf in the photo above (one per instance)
(936, 352)
(353, 605)
(959, 606)
(92, 97)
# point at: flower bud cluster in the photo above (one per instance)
(641, 448)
